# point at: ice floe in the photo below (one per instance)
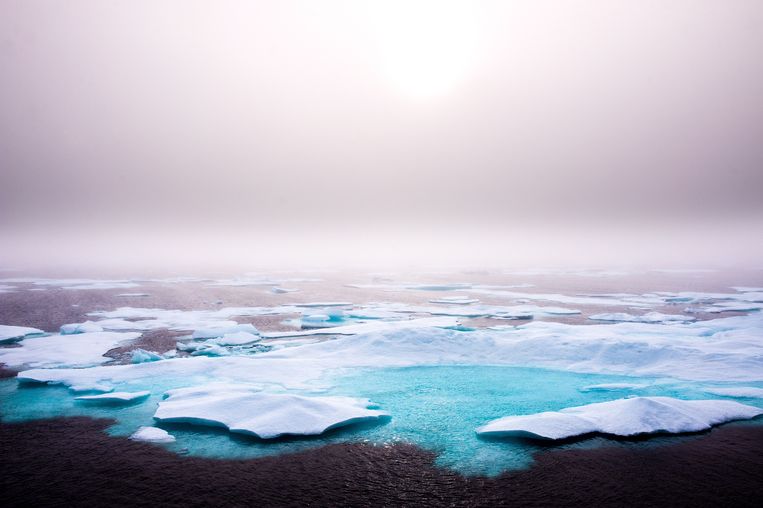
(649, 317)
(116, 396)
(372, 326)
(280, 290)
(455, 300)
(4, 288)
(152, 435)
(86, 327)
(80, 350)
(76, 283)
(467, 311)
(727, 349)
(235, 339)
(737, 391)
(623, 417)
(246, 410)
(141, 356)
(11, 333)
(210, 333)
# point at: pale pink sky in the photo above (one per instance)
(298, 120)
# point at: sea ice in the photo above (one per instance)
(142, 356)
(11, 333)
(153, 435)
(243, 409)
(80, 350)
(280, 290)
(649, 317)
(727, 349)
(623, 417)
(241, 338)
(86, 327)
(430, 322)
(116, 396)
(211, 333)
(738, 391)
(455, 300)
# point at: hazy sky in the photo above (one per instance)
(379, 118)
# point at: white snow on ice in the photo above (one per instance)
(623, 417)
(80, 350)
(244, 409)
(10, 333)
(152, 435)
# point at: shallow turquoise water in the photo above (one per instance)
(437, 408)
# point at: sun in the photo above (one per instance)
(426, 48)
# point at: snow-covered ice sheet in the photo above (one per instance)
(727, 349)
(649, 317)
(247, 410)
(623, 417)
(11, 333)
(372, 326)
(80, 350)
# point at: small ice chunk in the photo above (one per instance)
(10, 333)
(244, 409)
(280, 290)
(235, 339)
(143, 356)
(206, 349)
(116, 396)
(455, 300)
(212, 333)
(623, 417)
(152, 435)
(86, 327)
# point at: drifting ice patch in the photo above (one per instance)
(455, 300)
(211, 333)
(81, 350)
(116, 396)
(279, 290)
(235, 339)
(374, 326)
(650, 317)
(142, 356)
(152, 435)
(11, 333)
(623, 417)
(86, 327)
(244, 410)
